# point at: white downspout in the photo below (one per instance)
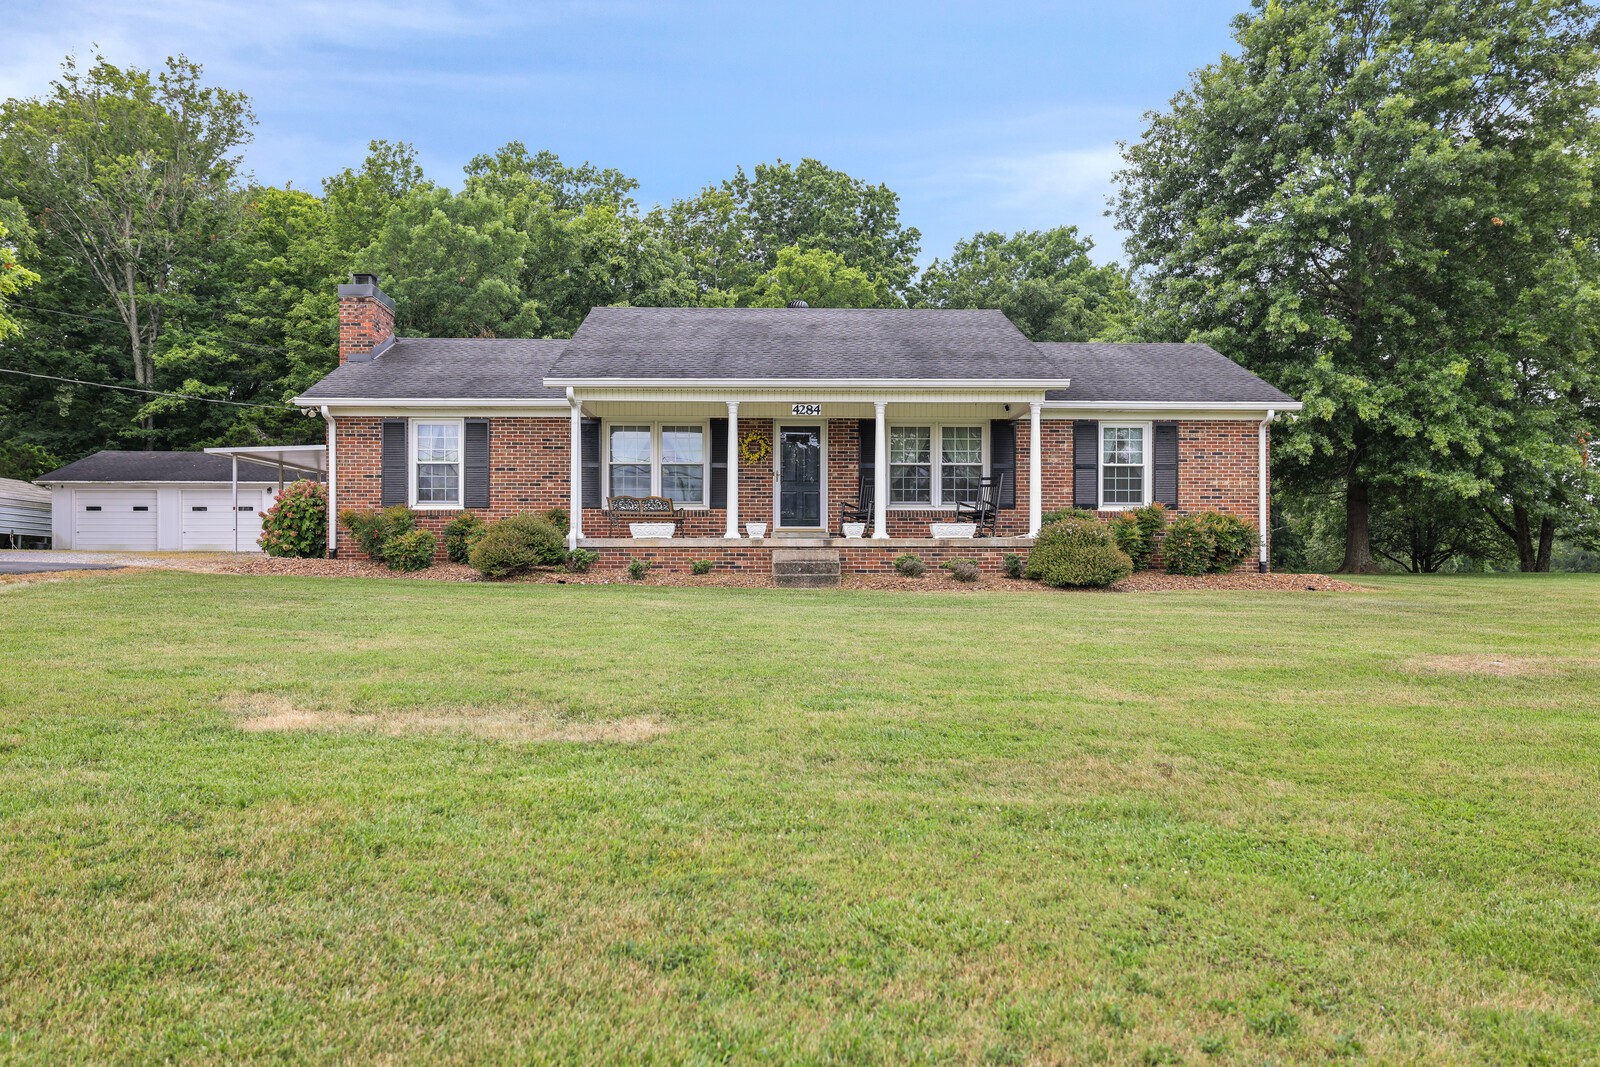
(333, 485)
(1261, 491)
(235, 502)
(575, 473)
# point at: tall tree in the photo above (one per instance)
(819, 277)
(1319, 206)
(14, 277)
(1044, 281)
(128, 166)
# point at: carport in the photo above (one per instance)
(299, 460)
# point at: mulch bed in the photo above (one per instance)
(933, 581)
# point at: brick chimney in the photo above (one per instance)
(366, 319)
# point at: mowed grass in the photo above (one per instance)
(296, 819)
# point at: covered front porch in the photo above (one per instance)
(754, 470)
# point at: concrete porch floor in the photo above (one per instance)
(887, 543)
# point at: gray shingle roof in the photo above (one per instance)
(164, 467)
(455, 368)
(799, 343)
(1176, 373)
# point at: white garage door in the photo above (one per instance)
(122, 519)
(206, 520)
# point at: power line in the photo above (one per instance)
(119, 322)
(151, 392)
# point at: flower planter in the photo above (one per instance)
(952, 529)
(855, 530)
(756, 529)
(652, 529)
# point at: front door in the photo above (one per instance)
(800, 476)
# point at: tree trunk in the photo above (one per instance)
(1547, 542)
(1357, 533)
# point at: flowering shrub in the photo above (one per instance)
(1207, 542)
(297, 522)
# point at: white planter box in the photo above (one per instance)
(855, 530)
(952, 529)
(652, 529)
(756, 529)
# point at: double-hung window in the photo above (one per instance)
(667, 460)
(436, 462)
(935, 466)
(1124, 477)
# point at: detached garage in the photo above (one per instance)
(160, 502)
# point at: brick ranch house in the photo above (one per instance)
(913, 407)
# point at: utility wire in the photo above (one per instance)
(119, 322)
(151, 392)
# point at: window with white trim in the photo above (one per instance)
(1124, 478)
(436, 462)
(658, 459)
(935, 466)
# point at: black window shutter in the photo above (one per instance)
(394, 487)
(1003, 459)
(475, 490)
(719, 463)
(867, 431)
(1086, 464)
(589, 437)
(1164, 489)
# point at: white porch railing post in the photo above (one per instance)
(880, 473)
(1035, 473)
(575, 475)
(733, 471)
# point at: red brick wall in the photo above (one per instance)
(859, 558)
(363, 323)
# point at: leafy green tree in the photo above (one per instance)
(128, 167)
(511, 172)
(819, 277)
(358, 202)
(1043, 280)
(1329, 206)
(14, 278)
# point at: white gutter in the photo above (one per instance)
(425, 401)
(810, 383)
(333, 485)
(1174, 405)
(1263, 513)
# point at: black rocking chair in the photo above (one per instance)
(859, 509)
(985, 511)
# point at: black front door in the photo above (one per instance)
(800, 476)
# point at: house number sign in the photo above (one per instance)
(805, 409)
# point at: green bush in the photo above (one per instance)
(701, 566)
(374, 530)
(297, 522)
(516, 545)
(1050, 518)
(558, 518)
(963, 570)
(459, 534)
(638, 568)
(1077, 552)
(410, 551)
(1011, 565)
(909, 565)
(579, 560)
(1136, 532)
(1207, 542)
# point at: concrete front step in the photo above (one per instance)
(805, 568)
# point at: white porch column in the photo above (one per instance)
(575, 475)
(1035, 473)
(733, 471)
(880, 473)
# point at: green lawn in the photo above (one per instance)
(541, 823)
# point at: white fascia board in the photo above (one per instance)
(723, 384)
(1253, 406)
(550, 403)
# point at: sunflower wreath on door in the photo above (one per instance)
(754, 448)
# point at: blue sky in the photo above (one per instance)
(980, 115)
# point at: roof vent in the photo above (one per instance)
(797, 304)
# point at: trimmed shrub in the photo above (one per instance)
(297, 522)
(701, 566)
(558, 518)
(1011, 565)
(909, 565)
(410, 551)
(963, 570)
(459, 534)
(515, 546)
(1050, 518)
(374, 530)
(1078, 553)
(1136, 532)
(638, 568)
(579, 560)
(1207, 542)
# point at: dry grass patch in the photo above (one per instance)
(260, 713)
(1481, 663)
